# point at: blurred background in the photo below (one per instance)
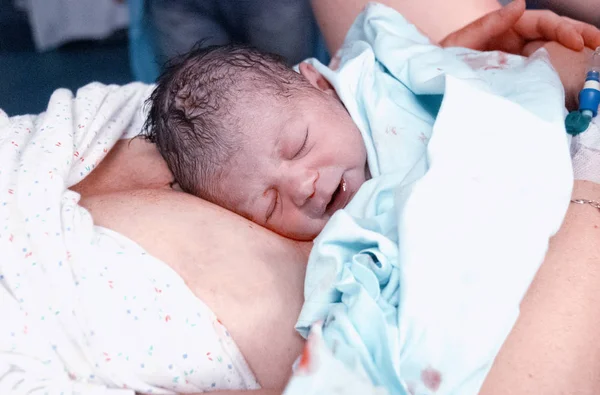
(30, 69)
(48, 44)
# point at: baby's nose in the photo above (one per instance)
(303, 186)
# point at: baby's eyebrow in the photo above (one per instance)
(277, 144)
(285, 126)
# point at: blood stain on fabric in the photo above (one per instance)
(431, 378)
(304, 363)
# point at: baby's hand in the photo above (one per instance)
(511, 28)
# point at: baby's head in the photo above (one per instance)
(239, 128)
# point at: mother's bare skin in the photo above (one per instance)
(251, 278)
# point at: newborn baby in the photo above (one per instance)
(239, 128)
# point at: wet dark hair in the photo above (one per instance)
(197, 107)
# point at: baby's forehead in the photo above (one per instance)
(263, 118)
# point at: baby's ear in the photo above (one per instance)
(315, 78)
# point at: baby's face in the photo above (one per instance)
(300, 163)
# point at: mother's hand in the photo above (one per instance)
(512, 28)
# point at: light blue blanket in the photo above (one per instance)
(415, 285)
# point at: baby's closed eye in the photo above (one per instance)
(302, 147)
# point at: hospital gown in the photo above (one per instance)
(83, 309)
(415, 285)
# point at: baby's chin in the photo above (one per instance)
(306, 233)
(301, 235)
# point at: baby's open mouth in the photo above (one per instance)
(338, 199)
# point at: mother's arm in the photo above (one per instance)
(554, 347)
(436, 18)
